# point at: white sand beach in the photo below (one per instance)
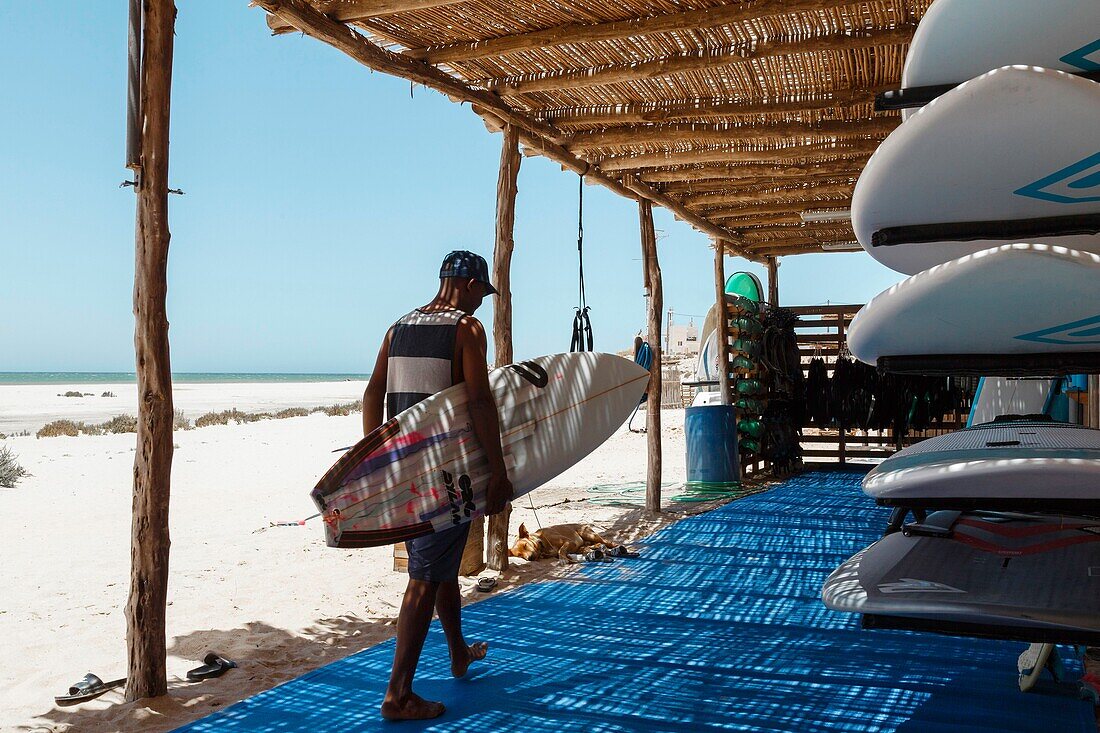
(275, 599)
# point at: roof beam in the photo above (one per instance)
(799, 247)
(754, 197)
(566, 117)
(784, 246)
(586, 33)
(754, 219)
(793, 152)
(780, 207)
(534, 134)
(807, 229)
(670, 133)
(350, 11)
(848, 166)
(619, 73)
(754, 186)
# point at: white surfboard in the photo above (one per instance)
(1012, 300)
(706, 364)
(1018, 144)
(424, 471)
(958, 40)
(1010, 466)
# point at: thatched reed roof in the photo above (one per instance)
(737, 116)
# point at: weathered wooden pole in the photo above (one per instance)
(149, 541)
(773, 281)
(722, 322)
(651, 268)
(507, 188)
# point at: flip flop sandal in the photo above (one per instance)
(86, 689)
(213, 666)
(486, 584)
(597, 555)
(621, 551)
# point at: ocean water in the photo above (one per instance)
(179, 377)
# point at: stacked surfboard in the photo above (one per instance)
(988, 196)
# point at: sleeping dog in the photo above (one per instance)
(558, 541)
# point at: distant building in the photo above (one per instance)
(683, 340)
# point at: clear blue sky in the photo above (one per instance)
(320, 198)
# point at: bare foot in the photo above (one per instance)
(474, 653)
(412, 707)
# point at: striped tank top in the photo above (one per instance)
(421, 357)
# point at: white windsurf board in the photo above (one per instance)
(1015, 576)
(958, 40)
(1018, 144)
(1012, 465)
(1018, 299)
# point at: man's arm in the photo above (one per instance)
(374, 397)
(472, 350)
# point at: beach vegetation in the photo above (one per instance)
(10, 470)
(346, 408)
(120, 424)
(61, 427)
(180, 421)
(291, 412)
(226, 416)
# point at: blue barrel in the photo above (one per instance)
(711, 432)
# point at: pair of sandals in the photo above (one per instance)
(600, 554)
(91, 686)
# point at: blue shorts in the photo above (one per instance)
(436, 557)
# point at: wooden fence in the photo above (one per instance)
(822, 332)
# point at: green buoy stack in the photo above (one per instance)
(744, 300)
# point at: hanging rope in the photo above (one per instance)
(582, 324)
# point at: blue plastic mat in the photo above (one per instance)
(717, 626)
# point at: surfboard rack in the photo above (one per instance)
(1029, 634)
(940, 524)
(913, 97)
(1002, 365)
(968, 231)
(901, 507)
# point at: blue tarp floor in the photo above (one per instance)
(718, 626)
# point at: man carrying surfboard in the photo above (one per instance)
(426, 351)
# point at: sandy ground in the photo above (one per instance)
(274, 599)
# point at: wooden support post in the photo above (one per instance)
(841, 339)
(502, 306)
(722, 322)
(149, 540)
(651, 268)
(773, 281)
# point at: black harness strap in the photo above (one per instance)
(582, 325)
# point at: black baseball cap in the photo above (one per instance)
(461, 263)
